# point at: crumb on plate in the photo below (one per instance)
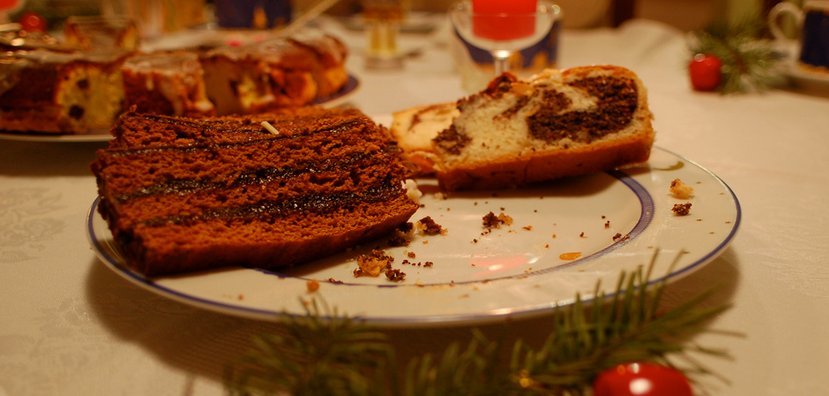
(682, 209)
(681, 190)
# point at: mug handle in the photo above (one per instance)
(774, 19)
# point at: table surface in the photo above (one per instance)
(69, 325)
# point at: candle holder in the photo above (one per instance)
(383, 19)
(503, 33)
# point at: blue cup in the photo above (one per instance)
(238, 14)
(813, 22)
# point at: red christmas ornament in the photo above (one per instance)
(32, 22)
(641, 379)
(705, 71)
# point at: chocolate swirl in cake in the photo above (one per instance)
(554, 124)
(616, 102)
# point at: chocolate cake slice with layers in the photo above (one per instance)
(270, 190)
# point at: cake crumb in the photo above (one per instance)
(569, 256)
(492, 221)
(619, 237)
(312, 286)
(372, 264)
(395, 275)
(412, 191)
(681, 190)
(428, 226)
(682, 209)
(402, 235)
(406, 228)
(397, 240)
(528, 228)
(335, 281)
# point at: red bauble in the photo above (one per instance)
(32, 22)
(705, 71)
(641, 379)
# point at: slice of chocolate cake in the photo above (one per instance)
(182, 194)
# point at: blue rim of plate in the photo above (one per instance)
(478, 317)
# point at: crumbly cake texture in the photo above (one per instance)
(555, 124)
(83, 92)
(182, 194)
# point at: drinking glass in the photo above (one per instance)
(383, 19)
(504, 29)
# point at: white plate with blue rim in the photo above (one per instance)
(565, 236)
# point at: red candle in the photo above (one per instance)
(503, 19)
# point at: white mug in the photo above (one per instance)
(813, 22)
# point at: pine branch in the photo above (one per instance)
(341, 356)
(749, 62)
(471, 371)
(309, 355)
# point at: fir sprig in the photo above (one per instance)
(749, 62)
(339, 355)
(473, 370)
(311, 355)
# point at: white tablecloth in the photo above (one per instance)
(68, 325)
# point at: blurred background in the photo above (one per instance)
(682, 14)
